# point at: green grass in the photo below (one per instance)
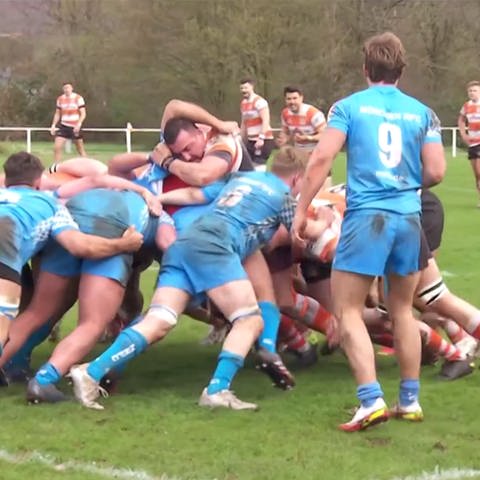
(154, 425)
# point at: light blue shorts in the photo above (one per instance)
(379, 242)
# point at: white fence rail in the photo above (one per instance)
(129, 130)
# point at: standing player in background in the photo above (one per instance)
(302, 124)
(70, 113)
(393, 147)
(255, 126)
(469, 118)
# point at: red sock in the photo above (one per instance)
(435, 342)
(290, 335)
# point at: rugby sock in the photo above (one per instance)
(434, 341)
(367, 393)
(311, 313)
(291, 336)
(47, 374)
(227, 367)
(271, 321)
(129, 344)
(474, 326)
(409, 389)
(21, 360)
(454, 331)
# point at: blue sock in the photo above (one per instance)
(47, 375)
(271, 322)
(367, 393)
(409, 389)
(21, 360)
(129, 344)
(227, 367)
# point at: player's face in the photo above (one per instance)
(189, 146)
(293, 101)
(474, 93)
(67, 89)
(246, 89)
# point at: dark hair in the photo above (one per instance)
(292, 89)
(473, 83)
(67, 83)
(22, 168)
(384, 58)
(173, 126)
(249, 80)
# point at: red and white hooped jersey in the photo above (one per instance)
(471, 112)
(70, 108)
(306, 122)
(250, 109)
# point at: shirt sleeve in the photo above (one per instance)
(288, 211)
(338, 117)
(260, 104)
(80, 102)
(433, 132)
(62, 221)
(318, 119)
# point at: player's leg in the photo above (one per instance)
(475, 162)
(80, 146)
(58, 146)
(160, 318)
(237, 301)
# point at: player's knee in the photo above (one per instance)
(250, 316)
(163, 318)
(431, 293)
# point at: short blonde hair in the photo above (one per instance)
(473, 83)
(384, 57)
(289, 160)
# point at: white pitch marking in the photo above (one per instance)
(450, 474)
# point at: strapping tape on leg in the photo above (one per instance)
(8, 309)
(244, 312)
(432, 292)
(164, 313)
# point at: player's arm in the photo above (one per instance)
(178, 108)
(319, 124)
(55, 120)
(265, 116)
(212, 167)
(83, 245)
(243, 131)
(81, 167)
(83, 115)
(462, 127)
(432, 153)
(183, 196)
(75, 187)
(319, 164)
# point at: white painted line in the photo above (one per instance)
(438, 474)
(75, 466)
(446, 273)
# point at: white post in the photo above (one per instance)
(454, 142)
(29, 140)
(128, 137)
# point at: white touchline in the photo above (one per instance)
(76, 466)
(439, 474)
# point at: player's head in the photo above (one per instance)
(384, 58)
(246, 87)
(67, 88)
(289, 164)
(473, 90)
(184, 139)
(23, 168)
(293, 98)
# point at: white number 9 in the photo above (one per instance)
(390, 144)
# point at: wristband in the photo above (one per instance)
(167, 162)
(150, 158)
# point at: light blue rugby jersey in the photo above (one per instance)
(385, 131)
(250, 207)
(37, 215)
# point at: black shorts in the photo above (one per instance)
(67, 132)
(314, 270)
(279, 259)
(260, 157)
(474, 152)
(432, 219)
(7, 273)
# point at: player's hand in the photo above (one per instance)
(76, 128)
(53, 129)
(299, 137)
(131, 239)
(465, 139)
(153, 203)
(282, 139)
(160, 153)
(298, 229)
(228, 127)
(259, 144)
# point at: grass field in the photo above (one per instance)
(153, 430)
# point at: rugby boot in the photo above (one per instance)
(37, 393)
(272, 364)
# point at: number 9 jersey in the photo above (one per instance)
(386, 130)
